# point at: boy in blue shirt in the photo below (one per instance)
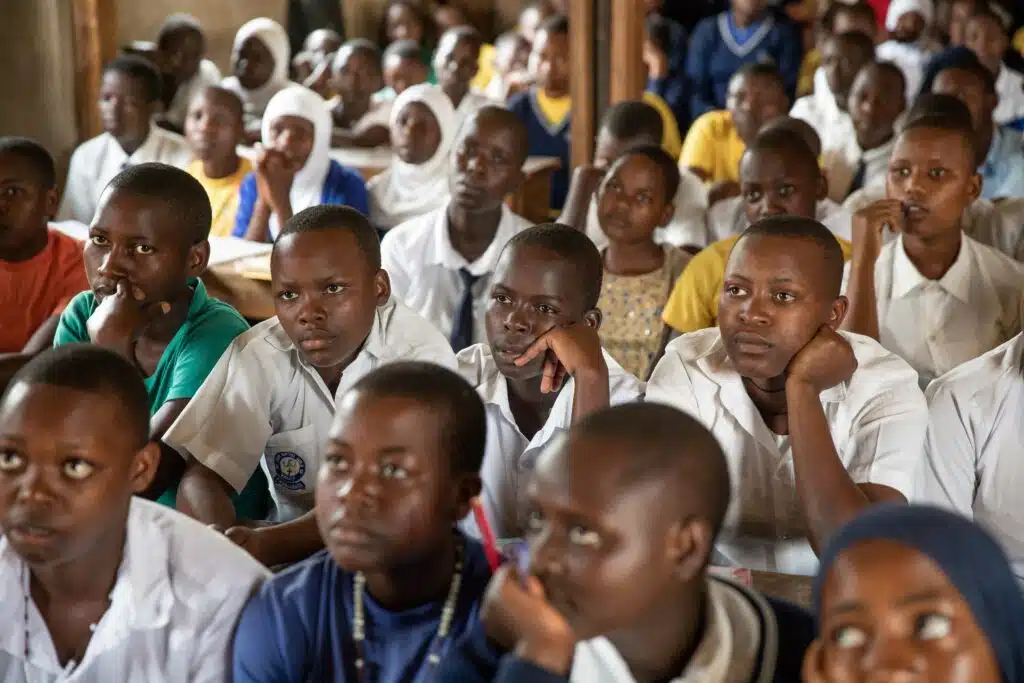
(397, 583)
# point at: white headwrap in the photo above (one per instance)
(308, 185)
(405, 190)
(275, 38)
(897, 8)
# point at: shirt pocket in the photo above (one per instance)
(293, 460)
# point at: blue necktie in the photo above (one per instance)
(858, 177)
(462, 328)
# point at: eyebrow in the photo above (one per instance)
(925, 595)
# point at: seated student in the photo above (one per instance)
(408, 20)
(180, 45)
(909, 46)
(958, 72)
(129, 97)
(749, 32)
(546, 107)
(213, 128)
(531, 17)
(40, 269)
(625, 125)
(929, 589)
(779, 176)
(664, 54)
(259, 64)
(403, 68)
(861, 161)
(321, 44)
(821, 424)
(269, 400)
(294, 169)
(360, 119)
(440, 263)
(842, 57)
(956, 24)
(634, 200)
(626, 513)
(398, 584)
(932, 295)
(422, 131)
(542, 367)
(511, 61)
(855, 16)
(456, 63)
(147, 248)
(95, 583)
(716, 141)
(987, 37)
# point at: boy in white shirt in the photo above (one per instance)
(933, 295)
(129, 97)
(542, 367)
(181, 45)
(456, 63)
(97, 584)
(816, 425)
(270, 399)
(360, 119)
(440, 263)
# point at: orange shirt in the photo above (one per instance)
(31, 291)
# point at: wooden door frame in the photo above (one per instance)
(94, 25)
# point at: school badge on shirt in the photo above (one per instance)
(289, 469)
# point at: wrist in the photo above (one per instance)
(800, 388)
(550, 652)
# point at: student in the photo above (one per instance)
(403, 68)
(259, 63)
(129, 98)
(95, 582)
(861, 161)
(147, 248)
(716, 141)
(440, 263)
(40, 269)
(279, 382)
(779, 176)
(542, 367)
(927, 588)
(634, 200)
(422, 131)
(294, 169)
(360, 119)
(664, 55)
(625, 125)
(546, 107)
(213, 128)
(626, 510)
(397, 584)
(960, 12)
(987, 37)
(511, 62)
(180, 45)
(909, 47)
(322, 44)
(747, 33)
(531, 17)
(456, 63)
(821, 424)
(408, 20)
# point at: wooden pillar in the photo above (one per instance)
(626, 66)
(583, 79)
(95, 44)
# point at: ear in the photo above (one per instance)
(838, 313)
(689, 547)
(144, 466)
(592, 318)
(974, 187)
(467, 488)
(667, 215)
(822, 185)
(198, 258)
(382, 283)
(51, 200)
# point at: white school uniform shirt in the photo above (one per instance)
(172, 614)
(687, 227)
(97, 161)
(877, 420)
(424, 267)
(840, 158)
(972, 461)
(1010, 88)
(911, 58)
(261, 405)
(935, 325)
(822, 112)
(728, 217)
(207, 75)
(510, 457)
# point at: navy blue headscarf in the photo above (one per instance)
(970, 558)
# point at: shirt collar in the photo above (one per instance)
(442, 253)
(906, 277)
(147, 151)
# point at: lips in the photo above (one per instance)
(751, 343)
(31, 534)
(317, 341)
(914, 211)
(509, 353)
(344, 530)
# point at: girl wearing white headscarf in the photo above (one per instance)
(407, 190)
(908, 51)
(248, 71)
(318, 180)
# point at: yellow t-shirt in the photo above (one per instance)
(713, 146)
(1018, 41)
(671, 140)
(693, 303)
(805, 83)
(555, 109)
(223, 194)
(486, 71)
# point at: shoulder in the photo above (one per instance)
(706, 27)
(90, 149)
(880, 373)
(342, 175)
(715, 123)
(476, 364)
(1003, 364)
(411, 235)
(80, 307)
(520, 102)
(676, 378)
(219, 319)
(689, 348)
(408, 335)
(995, 263)
(623, 386)
(307, 584)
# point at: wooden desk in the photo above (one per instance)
(250, 297)
(796, 589)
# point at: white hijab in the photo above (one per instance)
(897, 8)
(276, 39)
(405, 190)
(308, 186)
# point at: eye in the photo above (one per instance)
(78, 469)
(334, 289)
(786, 191)
(933, 626)
(546, 310)
(534, 522)
(502, 299)
(644, 198)
(10, 461)
(389, 470)
(11, 191)
(753, 196)
(849, 637)
(144, 249)
(733, 290)
(579, 535)
(99, 240)
(783, 297)
(938, 172)
(287, 295)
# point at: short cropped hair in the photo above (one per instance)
(809, 229)
(175, 25)
(785, 138)
(93, 369)
(232, 99)
(854, 8)
(142, 70)
(765, 69)
(556, 24)
(942, 112)
(337, 217)
(633, 119)
(961, 59)
(658, 31)
(669, 167)
(511, 122)
(858, 41)
(35, 154)
(404, 49)
(573, 246)
(463, 420)
(183, 195)
(467, 33)
(886, 67)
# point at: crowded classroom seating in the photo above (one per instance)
(460, 343)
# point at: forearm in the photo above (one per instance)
(205, 497)
(290, 542)
(42, 338)
(862, 316)
(574, 214)
(590, 392)
(259, 224)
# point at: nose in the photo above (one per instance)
(753, 311)
(475, 163)
(890, 660)
(515, 321)
(546, 555)
(312, 313)
(360, 490)
(114, 264)
(770, 206)
(33, 488)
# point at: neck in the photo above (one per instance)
(221, 167)
(769, 397)
(555, 94)
(418, 582)
(661, 648)
(28, 250)
(933, 256)
(744, 20)
(352, 111)
(85, 579)
(471, 232)
(456, 93)
(130, 143)
(166, 326)
(633, 258)
(875, 144)
(332, 375)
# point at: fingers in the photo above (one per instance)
(537, 348)
(122, 288)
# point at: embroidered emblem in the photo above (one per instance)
(288, 471)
